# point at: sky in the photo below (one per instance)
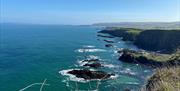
(88, 11)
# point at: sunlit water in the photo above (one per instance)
(31, 53)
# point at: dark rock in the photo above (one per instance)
(108, 45)
(130, 56)
(90, 75)
(94, 65)
(90, 60)
(109, 41)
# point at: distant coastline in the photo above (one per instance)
(142, 25)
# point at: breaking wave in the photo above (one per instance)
(90, 50)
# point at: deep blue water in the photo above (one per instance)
(31, 53)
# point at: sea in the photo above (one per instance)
(36, 57)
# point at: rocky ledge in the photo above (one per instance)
(90, 75)
(149, 59)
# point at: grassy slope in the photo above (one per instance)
(158, 57)
(164, 79)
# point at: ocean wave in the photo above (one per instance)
(82, 62)
(89, 46)
(71, 77)
(128, 71)
(109, 65)
(90, 50)
(93, 57)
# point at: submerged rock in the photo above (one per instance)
(108, 45)
(90, 75)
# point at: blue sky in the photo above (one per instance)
(89, 11)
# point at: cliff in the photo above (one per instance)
(166, 41)
(159, 40)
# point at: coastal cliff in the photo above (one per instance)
(159, 40)
(165, 41)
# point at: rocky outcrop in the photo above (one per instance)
(93, 65)
(90, 75)
(149, 59)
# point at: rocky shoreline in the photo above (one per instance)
(162, 53)
(149, 58)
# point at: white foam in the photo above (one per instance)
(90, 50)
(114, 76)
(133, 83)
(109, 65)
(71, 77)
(82, 62)
(93, 57)
(127, 71)
(89, 46)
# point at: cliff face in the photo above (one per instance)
(154, 40)
(164, 40)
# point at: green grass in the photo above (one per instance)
(158, 57)
(134, 31)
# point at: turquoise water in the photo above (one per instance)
(31, 53)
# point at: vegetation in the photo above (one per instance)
(150, 58)
(127, 34)
(164, 79)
